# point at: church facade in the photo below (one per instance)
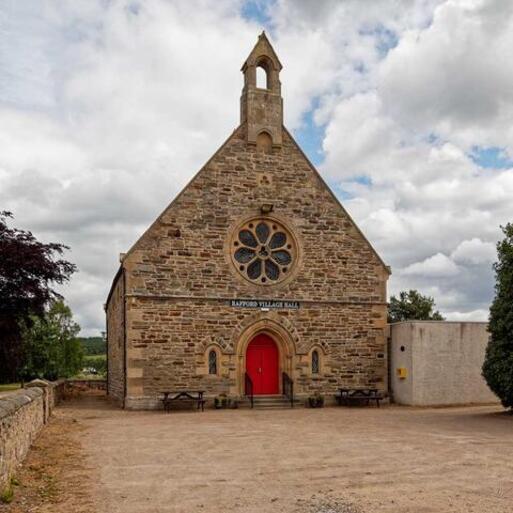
(254, 277)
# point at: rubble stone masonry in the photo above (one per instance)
(180, 278)
(23, 413)
(116, 334)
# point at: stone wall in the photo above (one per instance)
(115, 341)
(442, 361)
(85, 384)
(185, 252)
(179, 279)
(22, 415)
(205, 249)
(170, 341)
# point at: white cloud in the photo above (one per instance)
(430, 210)
(454, 78)
(472, 316)
(475, 252)
(107, 110)
(436, 266)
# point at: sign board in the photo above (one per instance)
(264, 303)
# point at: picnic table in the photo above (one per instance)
(349, 396)
(194, 396)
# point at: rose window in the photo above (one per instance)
(263, 251)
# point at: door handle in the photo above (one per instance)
(260, 370)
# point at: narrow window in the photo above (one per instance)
(212, 362)
(315, 362)
(261, 78)
(264, 142)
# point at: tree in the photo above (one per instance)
(50, 345)
(498, 364)
(93, 345)
(98, 363)
(28, 270)
(412, 305)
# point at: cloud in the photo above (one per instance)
(107, 110)
(454, 77)
(475, 252)
(472, 316)
(402, 152)
(436, 266)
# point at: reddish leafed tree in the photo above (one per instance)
(28, 271)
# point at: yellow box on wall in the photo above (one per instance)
(402, 372)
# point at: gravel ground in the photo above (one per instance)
(332, 460)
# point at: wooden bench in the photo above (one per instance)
(348, 396)
(191, 396)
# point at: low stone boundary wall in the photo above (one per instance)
(87, 384)
(23, 413)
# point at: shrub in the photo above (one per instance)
(498, 364)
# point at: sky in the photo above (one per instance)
(109, 107)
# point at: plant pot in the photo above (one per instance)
(316, 402)
(221, 403)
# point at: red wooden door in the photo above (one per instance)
(262, 365)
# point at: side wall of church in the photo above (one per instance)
(115, 334)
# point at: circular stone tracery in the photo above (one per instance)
(263, 251)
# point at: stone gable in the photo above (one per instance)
(173, 310)
(185, 252)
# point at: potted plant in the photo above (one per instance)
(316, 400)
(222, 401)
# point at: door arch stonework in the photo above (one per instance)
(284, 343)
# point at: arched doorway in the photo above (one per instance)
(263, 364)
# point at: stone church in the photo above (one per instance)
(253, 281)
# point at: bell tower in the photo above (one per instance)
(261, 108)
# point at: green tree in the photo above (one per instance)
(98, 363)
(498, 364)
(28, 271)
(93, 345)
(412, 306)
(50, 345)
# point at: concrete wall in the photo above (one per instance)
(22, 415)
(442, 360)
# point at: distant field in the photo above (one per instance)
(89, 357)
(94, 361)
(9, 386)
(89, 377)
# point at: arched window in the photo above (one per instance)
(262, 80)
(315, 361)
(212, 362)
(264, 142)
